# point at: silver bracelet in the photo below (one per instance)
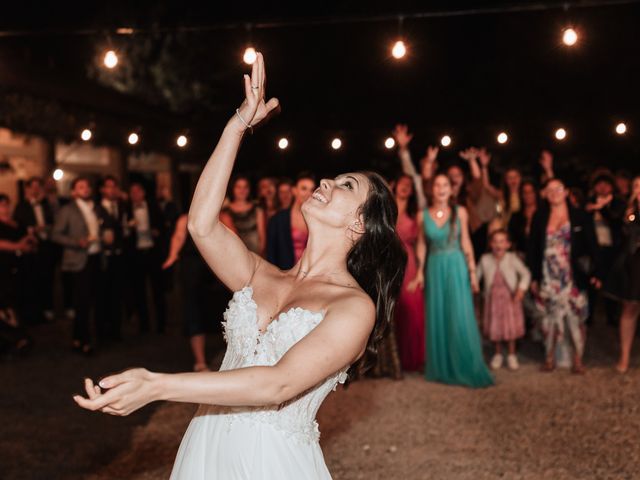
(242, 120)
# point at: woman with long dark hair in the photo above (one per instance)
(409, 316)
(454, 349)
(292, 335)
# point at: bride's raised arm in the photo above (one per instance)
(222, 249)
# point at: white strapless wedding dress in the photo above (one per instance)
(233, 443)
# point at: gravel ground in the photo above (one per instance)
(530, 426)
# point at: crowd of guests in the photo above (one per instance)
(108, 250)
(545, 255)
(539, 254)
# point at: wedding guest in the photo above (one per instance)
(268, 196)
(285, 194)
(77, 229)
(14, 243)
(244, 217)
(145, 226)
(505, 280)
(454, 349)
(34, 214)
(287, 231)
(561, 257)
(623, 282)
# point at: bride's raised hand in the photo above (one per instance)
(254, 109)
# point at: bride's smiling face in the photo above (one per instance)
(337, 202)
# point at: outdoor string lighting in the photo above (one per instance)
(621, 128)
(283, 143)
(569, 37)
(110, 59)
(399, 50)
(250, 55)
(133, 138)
(445, 141)
(336, 143)
(182, 141)
(561, 134)
(502, 138)
(86, 135)
(389, 143)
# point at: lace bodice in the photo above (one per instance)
(247, 346)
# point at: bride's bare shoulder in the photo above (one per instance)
(352, 300)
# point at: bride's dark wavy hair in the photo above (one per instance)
(377, 261)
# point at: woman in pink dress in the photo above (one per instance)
(409, 316)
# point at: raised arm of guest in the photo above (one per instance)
(546, 163)
(403, 138)
(484, 157)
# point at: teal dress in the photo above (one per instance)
(454, 349)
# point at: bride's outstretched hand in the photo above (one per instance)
(254, 109)
(124, 393)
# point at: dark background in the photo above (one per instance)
(469, 75)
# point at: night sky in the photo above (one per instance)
(469, 76)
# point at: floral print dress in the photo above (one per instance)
(565, 307)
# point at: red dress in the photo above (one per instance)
(409, 316)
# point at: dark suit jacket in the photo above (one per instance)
(25, 216)
(583, 246)
(156, 222)
(279, 241)
(109, 222)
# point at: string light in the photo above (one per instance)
(621, 128)
(336, 144)
(569, 37)
(389, 142)
(110, 59)
(86, 135)
(133, 138)
(283, 143)
(181, 141)
(561, 134)
(503, 137)
(58, 174)
(250, 55)
(399, 50)
(445, 141)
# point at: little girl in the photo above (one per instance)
(506, 279)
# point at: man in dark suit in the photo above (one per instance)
(111, 211)
(34, 214)
(144, 246)
(77, 229)
(283, 250)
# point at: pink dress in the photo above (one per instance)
(299, 242)
(409, 316)
(503, 317)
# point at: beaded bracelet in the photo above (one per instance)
(243, 122)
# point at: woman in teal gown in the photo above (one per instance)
(454, 348)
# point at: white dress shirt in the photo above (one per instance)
(91, 219)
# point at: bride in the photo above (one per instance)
(291, 335)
